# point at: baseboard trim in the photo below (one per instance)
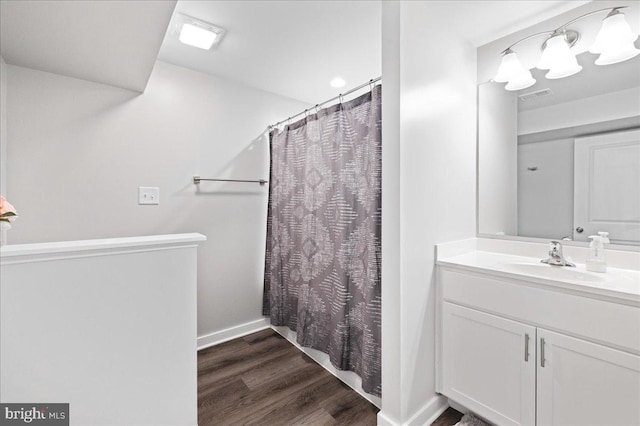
(430, 412)
(231, 333)
(458, 407)
(423, 417)
(384, 420)
(349, 378)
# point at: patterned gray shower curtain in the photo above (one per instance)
(323, 254)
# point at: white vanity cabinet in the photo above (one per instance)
(488, 364)
(583, 383)
(519, 353)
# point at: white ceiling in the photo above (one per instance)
(109, 42)
(294, 48)
(484, 20)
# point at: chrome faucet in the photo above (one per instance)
(555, 255)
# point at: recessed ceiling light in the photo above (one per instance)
(337, 82)
(197, 33)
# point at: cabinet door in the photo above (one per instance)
(583, 383)
(485, 365)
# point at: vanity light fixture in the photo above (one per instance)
(197, 33)
(614, 43)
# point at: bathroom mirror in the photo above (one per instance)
(561, 159)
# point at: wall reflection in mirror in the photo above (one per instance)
(560, 159)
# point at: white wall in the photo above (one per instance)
(3, 127)
(545, 196)
(429, 155)
(497, 154)
(78, 151)
(109, 329)
(391, 411)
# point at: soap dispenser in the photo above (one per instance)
(596, 260)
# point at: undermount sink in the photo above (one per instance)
(617, 283)
(555, 272)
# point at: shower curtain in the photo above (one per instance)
(323, 254)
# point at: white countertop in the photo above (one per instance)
(622, 284)
(13, 250)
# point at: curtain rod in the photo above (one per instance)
(368, 83)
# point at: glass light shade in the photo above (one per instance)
(556, 52)
(546, 59)
(197, 37)
(615, 32)
(522, 81)
(621, 53)
(563, 71)
(558, 58)
(510, 68)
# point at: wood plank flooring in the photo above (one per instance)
(262, 379)
(449, 418)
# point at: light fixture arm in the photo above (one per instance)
(508, 49)
(614, 43)
(613, 11)
(561, 29)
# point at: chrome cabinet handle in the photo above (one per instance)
(541, 352)
(526, 348)
(579, 229)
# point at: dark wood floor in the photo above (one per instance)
(262, 379)
(448, 418)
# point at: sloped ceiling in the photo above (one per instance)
(291, 48)
(108, 42)
(295, 48)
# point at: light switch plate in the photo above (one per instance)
(148, 195)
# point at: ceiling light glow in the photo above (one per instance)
(197, 33)
(337, 82)
(197, 37)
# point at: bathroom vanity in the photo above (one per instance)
(525, 343)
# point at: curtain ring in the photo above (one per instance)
(371, 85)
(305, 114)
(317, 108)
(340, 97)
